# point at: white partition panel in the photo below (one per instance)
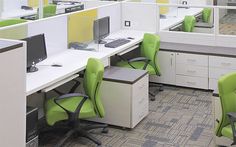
(91, 3)
(9, 5)
(142, 16)
(114, 11)
(226, 40)
(188, 38)
(55, 30)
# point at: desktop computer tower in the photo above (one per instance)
(32, 127)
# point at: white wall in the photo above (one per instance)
(9, 5)
(143, 16)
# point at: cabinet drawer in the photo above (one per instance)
(140, 89)
(191, 59)
(213, 84)
(139, 114)
(222, 62)
(197, 71)
(216, 73)
(195, 82)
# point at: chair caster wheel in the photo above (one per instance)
(152, 99)
(105, 130)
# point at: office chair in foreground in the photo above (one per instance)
(74, 106)
(189, 23)
(9, 22)
(227, 92)
(148, 60)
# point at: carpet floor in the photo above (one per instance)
(179, 117)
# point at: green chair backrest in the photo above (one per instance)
(149, 49)
(92, 82)
(227, 93)
(206, 14)
(189, 23)
(9, 22)
(49, 10)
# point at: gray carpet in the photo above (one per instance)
(228, 24)
(179, 117)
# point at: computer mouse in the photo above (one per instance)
(56, 65)
(130, 38)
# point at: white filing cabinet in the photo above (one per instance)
(167, 66)
(13, 96)
(192, 70)
(124, 94)
(218, 66)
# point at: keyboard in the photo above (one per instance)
(116, 43)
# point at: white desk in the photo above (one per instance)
(72, 62)
(180, 14)
(20, 12)
(137, 35)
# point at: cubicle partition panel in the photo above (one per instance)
(139, 16)
(18, 31)
(186, 38)
(94, 4)
(9, 5)
(114, 11)
(55, 31)
(80, 26)
(35, 3)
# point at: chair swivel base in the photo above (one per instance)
(83, 132)
(153, 94)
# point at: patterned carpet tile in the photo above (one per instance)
(179, 117)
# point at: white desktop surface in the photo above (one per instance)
(178, 17)
(72, 61)
(137, 35)
(17, 13)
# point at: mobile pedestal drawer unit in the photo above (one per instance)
(124, 94)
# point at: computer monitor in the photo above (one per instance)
(36, 51)
(101, 29)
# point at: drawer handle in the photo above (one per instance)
(191, 60)
(225, 63)
(192, 71)
(192, 83)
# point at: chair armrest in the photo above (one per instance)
(146, 60)
(232, 119)
(72, 115)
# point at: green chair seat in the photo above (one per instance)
(138, 65)
(227, 131)
(206, 14)
(55, 113)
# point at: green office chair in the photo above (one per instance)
(189, 23)
(49, 10)
(75, 106)
(206, 14)
(227, 93)
(9, 22)
(148, 61)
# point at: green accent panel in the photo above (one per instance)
(149, 49)
(91, 108)
(189, 23)
(227, 88)
(206, 14)
(17, 32)
(80, 26)
(49, 10)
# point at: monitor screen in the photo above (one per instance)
(101, 28)
(36, 49)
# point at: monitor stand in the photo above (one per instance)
(102, 42)
(32, 68)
